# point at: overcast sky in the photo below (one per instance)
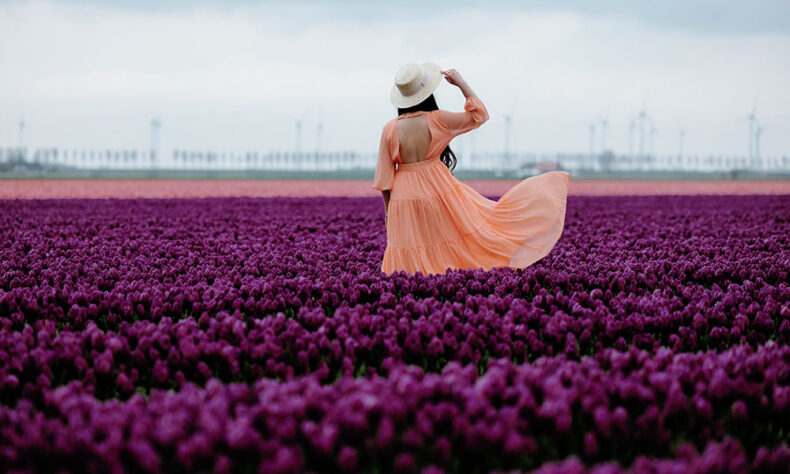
(235, 76)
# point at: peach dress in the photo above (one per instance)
(436, 222)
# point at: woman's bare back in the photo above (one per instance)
(414, 137)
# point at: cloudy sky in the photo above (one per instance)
(236, 76)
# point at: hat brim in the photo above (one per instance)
(434, 78)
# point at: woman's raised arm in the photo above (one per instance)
(474, 113)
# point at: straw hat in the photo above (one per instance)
(414, 83)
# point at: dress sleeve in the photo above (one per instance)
(385, 167)
(473, 116)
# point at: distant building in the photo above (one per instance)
(543, 166)
(531, 169)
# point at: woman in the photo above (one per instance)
(437, 222)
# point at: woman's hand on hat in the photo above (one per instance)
(453, 77)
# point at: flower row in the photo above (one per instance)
(352, 341)
(614, 407)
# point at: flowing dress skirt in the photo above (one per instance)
(436, 222)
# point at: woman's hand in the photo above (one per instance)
(453, 77)
(386, 196)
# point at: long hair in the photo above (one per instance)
(448, 156)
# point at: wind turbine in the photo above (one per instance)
(298, 144)
(652, 132)
(154, 151)
(592, 139)
(472, 146)
(757, 134)
(604, 128)
(319, 129)
(508, 123)
(681, 137)
(21, 131)
(753, 123)
(642, 118)
(296, 157)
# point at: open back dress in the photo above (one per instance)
(435, 222)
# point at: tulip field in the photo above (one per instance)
(258, 334)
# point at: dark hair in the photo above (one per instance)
(429, 104)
